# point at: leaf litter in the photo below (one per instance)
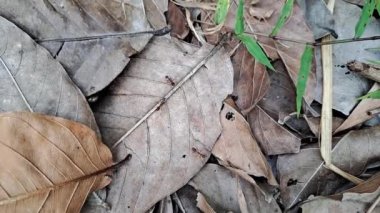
(165, 109)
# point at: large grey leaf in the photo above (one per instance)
(173, 144)
(91, 64)
(348, 86)
(227, 191)
(42, 80)
(303, 174)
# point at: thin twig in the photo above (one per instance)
(160, 32)
(373, 206)
(171, 92)
(16, 84)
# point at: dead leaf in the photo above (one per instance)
(91, 64)
(237, 148)
(351, 202)
(176, 141)
(203, 205)
(347, 86)
(188, 196)
(48, 159)
(273, 138)
(314, 124)
(226, 191)
(251, 80)
(177, 21)
(41, 79)
(303, 174)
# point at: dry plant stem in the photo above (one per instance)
(191, 26)
(160, 32)
(373, 206)
(326, 116)
(366, 70)
(171, 92)
(16, 84)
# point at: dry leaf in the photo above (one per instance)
(91, 64)
(303, 174)
(41, 79)
(226, 191)
(175, 142)
(360, 113)
(314, 124)
(273, 138)
(177, 21)
(251, 80)
(203, 205)
(237, 148)
(48, 164)
(188, 196)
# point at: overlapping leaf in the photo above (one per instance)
(48, 164)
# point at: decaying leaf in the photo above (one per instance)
(273, 138)
(91, 64)
(187, 196)
(237, 148)
(177, 21)
(48, 164)
(226, 191)
(251, 79)
(361, 112)
(173, 144)
(314, 124)
(303, 174)
(348, 86)
(41, 80)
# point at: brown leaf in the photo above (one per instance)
(176, 141)
(91, 64)
(203, 205)
(360, 113)
(42, 81)
(303, 174)
(315, 124)
(272, 137)
(237, 148)
(177, 21)
(226, 191)
(251, 80)
(48, 164)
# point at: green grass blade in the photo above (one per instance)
(221, 11)
(286, 12)
(374, 62)
(255, 50)
(303, 74)
(378, 6)
(371, 95)
(239, 23)
(365, 17)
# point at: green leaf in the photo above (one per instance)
(286, 12)
(374, 62)
(378, 6)
(239, 23)
(368, 8)
(221, 11)
(372, 95)
(303, 75)
(255, 50)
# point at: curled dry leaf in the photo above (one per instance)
(238, 149)
(176, 140)
(91, 64)
(42, 81)
(48, 164)
(251, 80)
(272, 137)
(361, 112)
(303, 174)
(226, 191)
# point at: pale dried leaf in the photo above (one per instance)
(203, 205)
(175, 142)
(273, 138)
(91, 64)
(238, 149)
(42, 80)
(221, 186)
(188, 196)
(48, 164)
(303, 174)
(360, 113)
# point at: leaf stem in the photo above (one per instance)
(160, 32)
(322, 43)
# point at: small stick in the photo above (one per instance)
(172, 91)
(159, 32)
(373, 206)
(366, 70)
